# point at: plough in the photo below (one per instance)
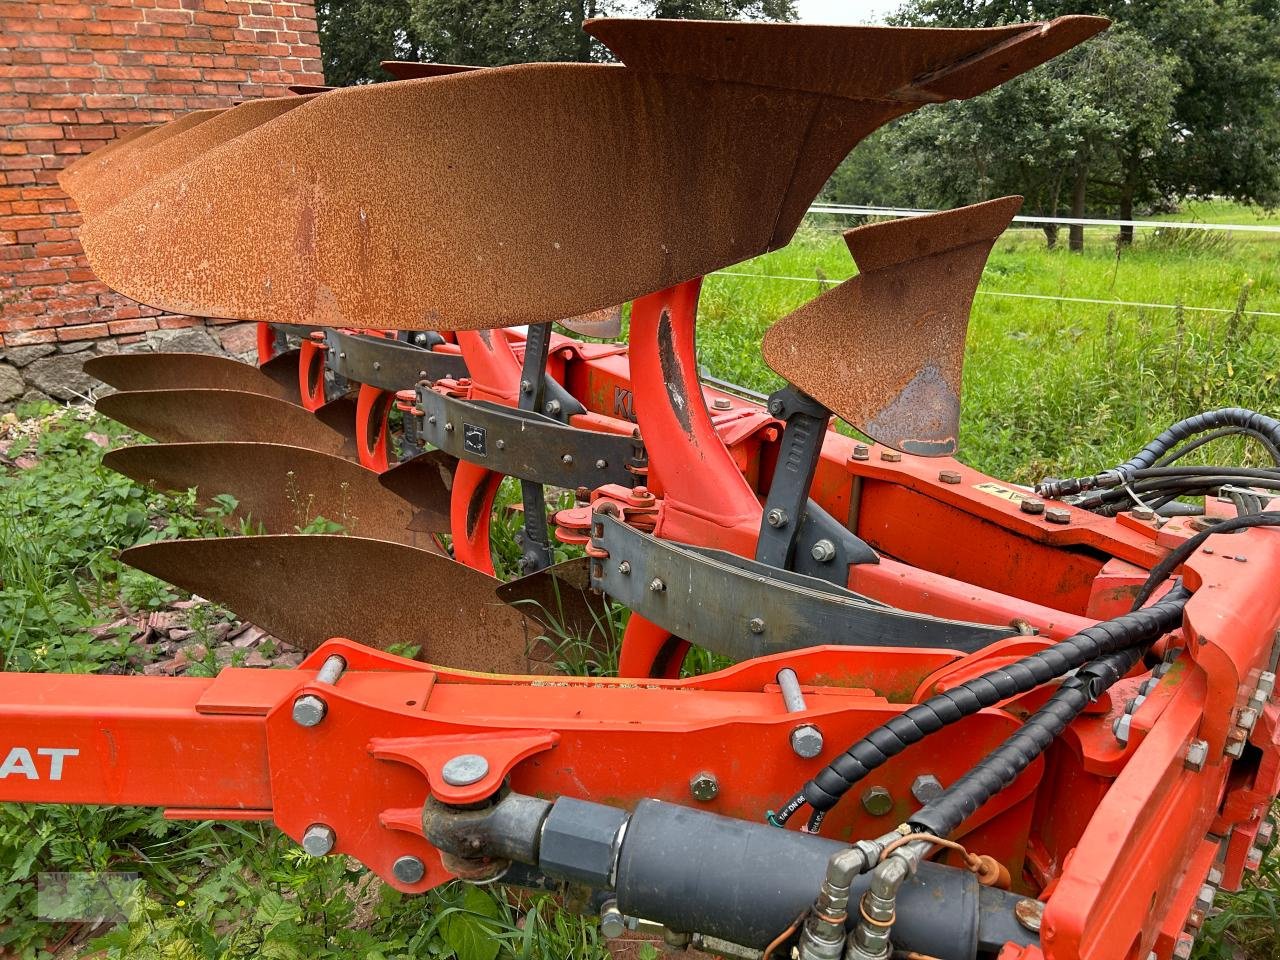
(1054, 706)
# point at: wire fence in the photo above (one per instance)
(845, 209)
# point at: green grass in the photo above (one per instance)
(1050, 387)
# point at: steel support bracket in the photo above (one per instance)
(743, 609)
(388, 364)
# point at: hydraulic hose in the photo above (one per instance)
(1135, 629)
(1187, 448)
(1183, 430)
(944, 814)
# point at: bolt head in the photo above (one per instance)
(465, 769)
(1182, 949)
(721, 403)
(861, 452)
(624, 568)
(704, 786)
(949, 476)
(806, 741)
(756, 625)
(926, 787)
(1057, 515)
(824, 551)
(890, 456)
(408, 870)
(309, 710)
(567, 459)
(1197, 755)
(777, 517)
(448, 426)
(877, 801)
(420, 338)
(552, 407)
(318, 840)
(775, 407)
(1029, 913)
(1143, 513)
(1121, 728)
(656, 585)
(612, 923)
(601, 463)
(1031, 505)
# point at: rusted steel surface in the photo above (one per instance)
(282, 487)
(412, 70)
(507, 195)
(198, 416)
(283, 369)
(101, 162)
(561, 595)
(885, 349)
(140, 167)
(178, 371)
(306, 589)
(603, 324)
(426, 482)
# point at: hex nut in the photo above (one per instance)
(877, 801)
(612, 923)
(1057, 515)
(319, 839)
(926, 787)
(704, 786)
(949, 476)
(861, 452)
(890, 456)
(823, 551)
(806, 741)
(1197, 755)
(1121, 728)
(309, 710)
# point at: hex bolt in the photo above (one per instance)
(1197, 755)
(465, 769)
(1182, 949)
(926, 787)
(806, 741)
(1029, 913)
(890, 456)
(877, 801)
(704, 786)
(777, 517)
(1121, 728)
(1133, 705)
(1032, 506)
(949, 476)
(448, 426)
(309, 710)
(1265, 831)
(656, 585)
(861, 452)
(501, 444)
(601, 463)
(1235, 743)
(552, 407)
(1143, 513)
(756, 625)
(318, 840)
(612, 923)
(567, 459)
(624, 568)
(408, 870)
(1253, 859)
(1057, 515)
(824, 551)
(1215, 876)
(1204, 900)
(1248, 719)
(721, 403)
(775, 407)
(526, 386)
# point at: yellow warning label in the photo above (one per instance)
(1003, 492)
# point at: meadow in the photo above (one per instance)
(1051, 387)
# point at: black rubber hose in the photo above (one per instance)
(942, 815)
(1177, 557)
(1174, 456)
(1183, 430)
(1137, 628)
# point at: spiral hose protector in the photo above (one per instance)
(1210, 420)
(1134, 629)
(942, 815)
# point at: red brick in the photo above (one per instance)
(26, 338)
(174, 323)
(136, 325)
(90, 331)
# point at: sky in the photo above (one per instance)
(844, 11)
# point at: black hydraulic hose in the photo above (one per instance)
(943, 814)
(1132, 629)
(1238, 417)
(1187, 448)
(1177, 557)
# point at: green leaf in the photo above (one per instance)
(467, 931)
(274, 909)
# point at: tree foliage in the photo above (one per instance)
(1180, 98)
(356, 35)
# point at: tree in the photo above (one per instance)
(357, 35)
(1180, 99)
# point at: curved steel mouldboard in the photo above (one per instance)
(531, 193)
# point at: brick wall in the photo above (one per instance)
(73, 76)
